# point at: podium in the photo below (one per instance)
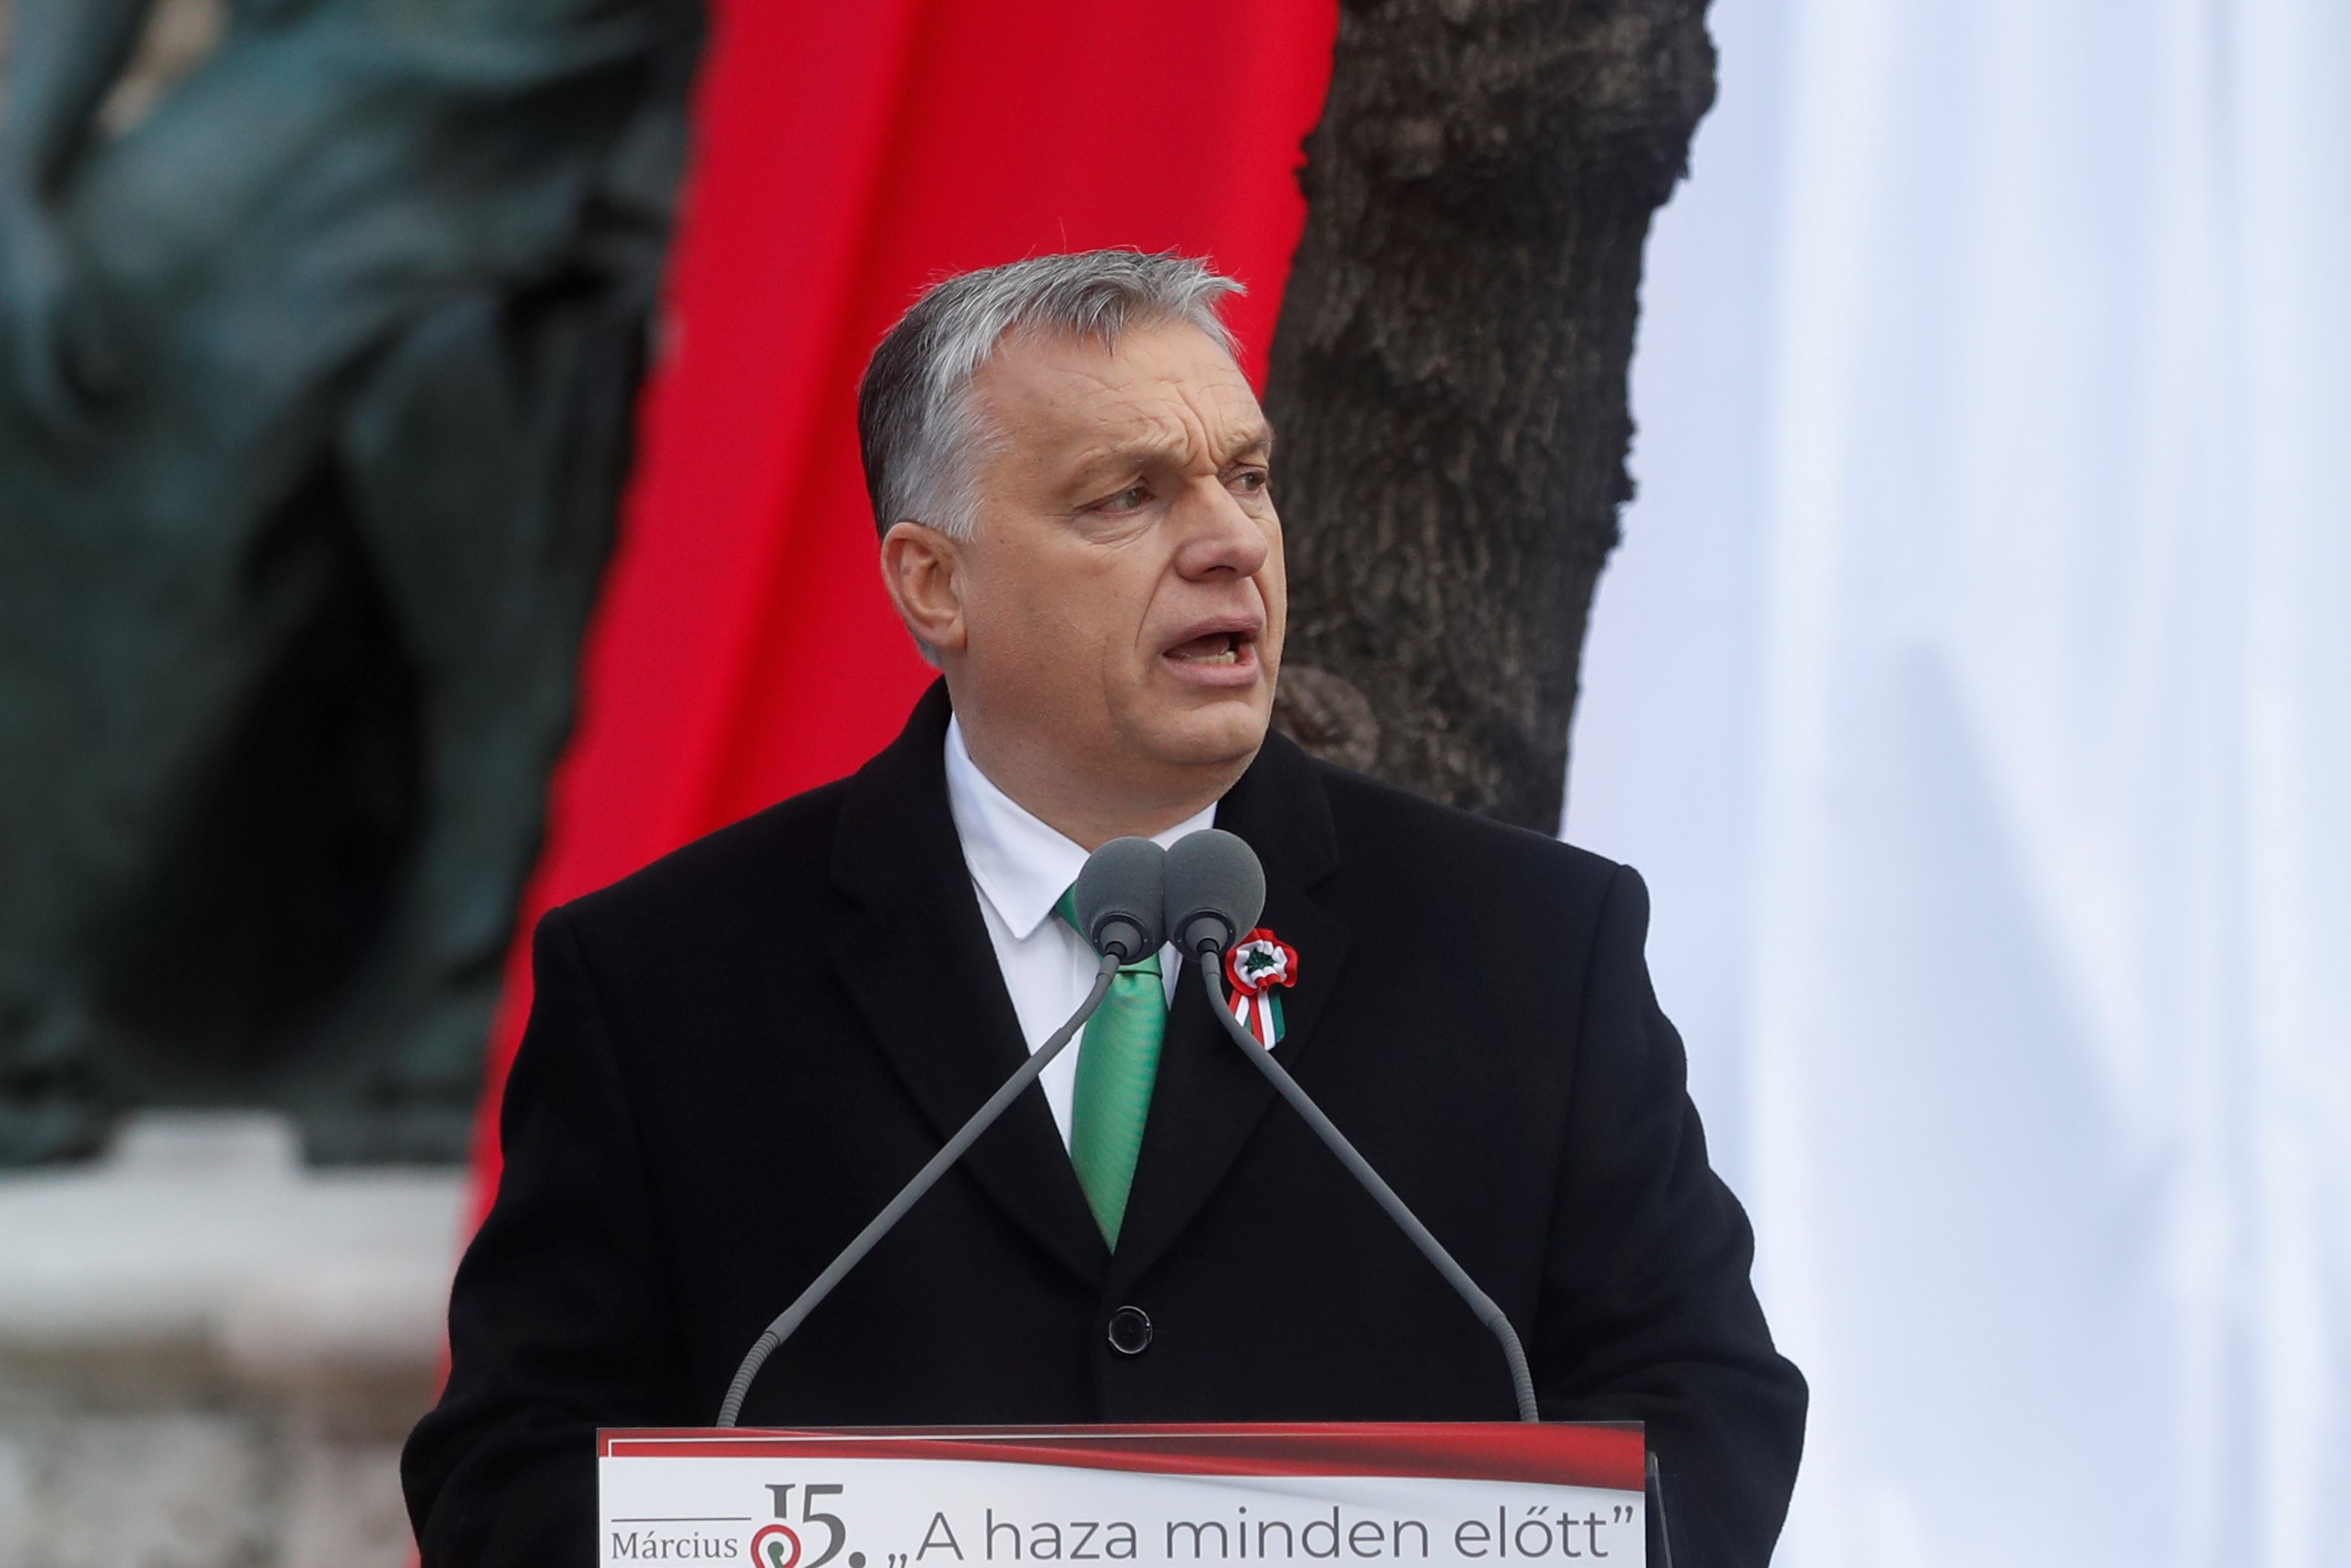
(1449, 1494)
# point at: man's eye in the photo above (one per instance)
(1129, 499)
(1253, 481)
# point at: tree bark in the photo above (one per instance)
(1448, 379)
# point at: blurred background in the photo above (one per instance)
(1971, 686)
(428, 492)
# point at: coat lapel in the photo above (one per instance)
(1209, 1100)
(924, 975)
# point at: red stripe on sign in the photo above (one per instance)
(1609, 1456)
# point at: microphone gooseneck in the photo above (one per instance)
(1119, 899)
(1218, 899)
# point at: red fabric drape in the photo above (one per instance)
(847, 154)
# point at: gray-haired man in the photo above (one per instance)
(738, 1053)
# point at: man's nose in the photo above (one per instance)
(1220, 538)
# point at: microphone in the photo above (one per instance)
(1216, 889)
(1120, 901)
(1119, 898)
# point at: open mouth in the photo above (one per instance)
(1218, 657)
(1213, 648)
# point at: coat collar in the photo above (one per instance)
(919, 962)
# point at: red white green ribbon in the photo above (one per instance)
(1259, 966)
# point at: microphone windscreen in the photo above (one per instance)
(1216, 890)
(1119, 898)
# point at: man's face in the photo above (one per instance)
(1122, 593)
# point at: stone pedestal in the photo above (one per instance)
(210, 1354)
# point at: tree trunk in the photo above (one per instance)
(1448, 380)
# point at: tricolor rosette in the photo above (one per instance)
(1257, 970)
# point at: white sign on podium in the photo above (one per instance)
(1478, 1495)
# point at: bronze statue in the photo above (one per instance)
(315, 388)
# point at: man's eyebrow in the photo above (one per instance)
(1134, 456)
(1145, 454)
(1130, 456)
(1258, 443)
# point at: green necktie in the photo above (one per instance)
(1118, 1059)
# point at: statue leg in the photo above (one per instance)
(136, 634)
(483, 457)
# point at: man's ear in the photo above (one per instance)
(921, 568)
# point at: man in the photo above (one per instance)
(738, 1054)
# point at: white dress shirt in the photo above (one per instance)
(1021, 868)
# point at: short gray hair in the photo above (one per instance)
(916, 427)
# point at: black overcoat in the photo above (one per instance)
(738, 1054)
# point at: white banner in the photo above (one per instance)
(1158, 1496)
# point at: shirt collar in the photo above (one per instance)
(1021, 865)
